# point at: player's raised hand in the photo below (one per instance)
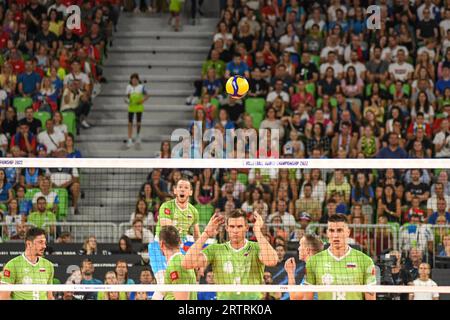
(213, 225)
(259, 222)
(290, 266)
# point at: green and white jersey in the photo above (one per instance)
(21, 271)
(231, 266)
(176, 274)
(354, 268)
(183, 220)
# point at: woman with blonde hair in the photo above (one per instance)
(89, 246)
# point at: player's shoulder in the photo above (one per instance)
(45, 261)
(360, 255)
(192, 207)
(14, 261)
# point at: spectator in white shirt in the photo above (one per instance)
(401, 70)
(278, 92)
(416, 235)
(334, 64)
(424, 280)
(50, 196)
(51, 139)
(442, 140)
(432, 203)
(139, 233)
(391, 51)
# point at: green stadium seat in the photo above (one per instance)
(215, 103)
(63, 206)
(255, 105)
(257, 118)
(43, 116)
(205, 212)
(333, 102)
(243, 178)
(21, 103)
(70, 120)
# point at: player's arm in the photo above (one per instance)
(50, 281)
(267, 254)
(290, 267)
(370, 279)
(195, 258)
(8, 277)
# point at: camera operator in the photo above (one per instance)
(399, 275)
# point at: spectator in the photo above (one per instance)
(122, 273)
(393, 150)
(424, 280)
(25, 140)
(142, 209)
(29, 81)
(445, 251)
(43, 218)
(237, 67)
(138, 233)
(51, 139)
(89, 246)
(50, 196)
(416, 235)
(87, 277)
(145, 277)
(34, 125)
(67, 178)
(111, 279)
(209, 279)
(441, 211)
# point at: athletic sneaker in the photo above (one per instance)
(85, 125)
(138, 139)
(129, 143)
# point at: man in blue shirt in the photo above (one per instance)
(87, 277)
(393, 150)
(443, 83)
(29, 81)
(441, 211)
(237, 67)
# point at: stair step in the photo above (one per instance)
(152, 92)
(145, 70)
(150, 85)
(153, 41)
(156, 100)
(116, 150)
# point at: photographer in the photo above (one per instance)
(394, 273)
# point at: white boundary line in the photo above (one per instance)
(225, 163)
(223, 288)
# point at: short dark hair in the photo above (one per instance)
(33, 233)
(170, 236)
(338, 218)
(237, 213)
(314, 242)
(41, 198)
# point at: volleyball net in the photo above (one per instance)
(100, 215)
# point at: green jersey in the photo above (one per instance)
(354, 268)
(183, 220)
(39, 219)
(231, 266)
(176, 274)
(21, 271)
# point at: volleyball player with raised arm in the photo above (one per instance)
(340, 264)
(236, 262)
(29, 268)
(183, 216)
(309, 245)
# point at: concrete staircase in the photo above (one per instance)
(168, 62)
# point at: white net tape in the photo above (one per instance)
(226, 288)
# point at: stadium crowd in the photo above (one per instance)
(333, 87)
(50, 71)
(407, 210)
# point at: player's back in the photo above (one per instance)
(231, 266)
(20, 270)
(176, 274)
(354, 268)
(183, 220)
